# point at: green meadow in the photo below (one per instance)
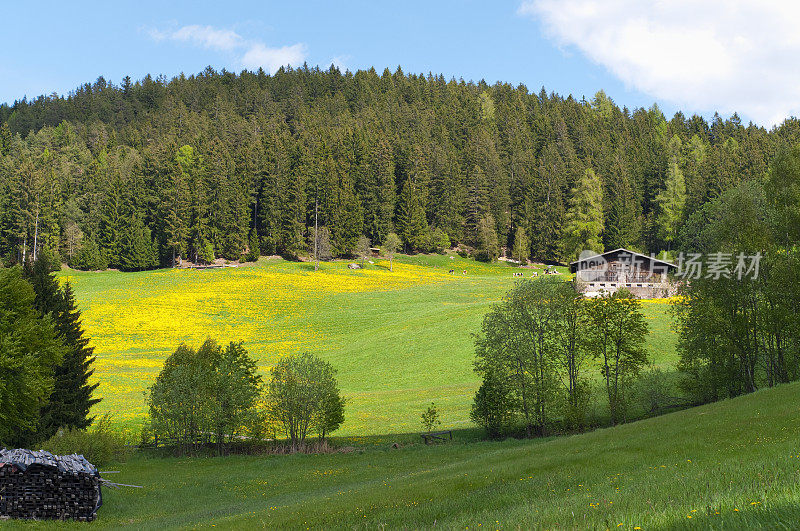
(734, 464)
(399, 339)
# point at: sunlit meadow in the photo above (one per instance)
(399, 339)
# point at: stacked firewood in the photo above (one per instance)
(41, 485)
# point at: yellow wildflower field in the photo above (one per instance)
(136, 320)
(399, 339)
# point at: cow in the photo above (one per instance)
(452, 271)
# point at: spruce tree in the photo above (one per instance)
(585, 216)
(137, 250)
(671, 202)
(30, 352)
(71, 397)
(411, 222)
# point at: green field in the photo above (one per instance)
(399, 340)
(730, 465)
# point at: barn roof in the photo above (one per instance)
(22, 459)
(573, 266)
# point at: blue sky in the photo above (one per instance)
(569, 46)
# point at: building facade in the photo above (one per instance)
(645, 276)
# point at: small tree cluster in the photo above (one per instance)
(740, 331)
(533, 350)
(206, 395)
(303, 397)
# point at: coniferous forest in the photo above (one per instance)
(138, 174)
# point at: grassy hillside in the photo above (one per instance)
(733, 465)
(399, 339)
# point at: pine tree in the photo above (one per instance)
(177, 205)
(671, 202)
(585, 216)
(71, 398)
(411, 222)
(31, 351)
(622, 217)
(137, 250)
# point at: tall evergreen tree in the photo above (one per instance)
(585, 216)
(411, 222)
(31, 350)
(71, 398)
(671, 202)
(137, 250)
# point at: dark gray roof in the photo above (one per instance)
(574, 266)
(22, 459)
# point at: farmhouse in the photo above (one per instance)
(644, 276)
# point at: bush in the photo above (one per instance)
(89, 257)
(206, 252)
(493, 408)
(656, 391)
(253, 248)
(440, 241)
(206, 395)
(303, 397)
(99, 444)
(578, 412)
(482, 256)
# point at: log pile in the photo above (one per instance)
(40, 485)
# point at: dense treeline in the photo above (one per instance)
(213, 165)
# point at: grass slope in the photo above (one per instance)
(733, 465)
(399, 339)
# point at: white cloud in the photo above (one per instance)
(208, 37)
(340, 62)
(271, 59)
(251, 54)
(204, 36)
(726, 55)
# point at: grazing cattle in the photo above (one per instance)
(452, 271)
(535, 274)
(464, 272)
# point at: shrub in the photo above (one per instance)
(303, 397)
(655, 391)
(253, 248)
(430, 418)
(99, 444)
(89, 257)
(482, 256)
(440, 240)
(206, 252)
(492, 407)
